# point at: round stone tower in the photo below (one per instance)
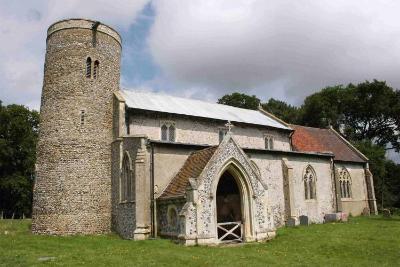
(72, 193)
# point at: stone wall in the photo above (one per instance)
(131, 218)
(205, 131)
(166, 226)
(72, 192)
(359, 200)
(270, 166)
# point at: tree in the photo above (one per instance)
(282, 110)
(372, 112)
(240, 100)
(18, 138)
(367, 111)
(324, 108)
(377, 161)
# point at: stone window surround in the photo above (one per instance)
(313, 196)
(130, 198)
(270, 143)
(94, 67)
(172, 209)
(168, 123)
(347, 179)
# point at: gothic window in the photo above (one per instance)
(269, 142)
(127, 184)
(88, 67)
(96, 69)
(309, 180)
(168, 132)
(164, 132)
(345, 183)
(171, 133)
(221, 134)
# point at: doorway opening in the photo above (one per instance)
(229, 209)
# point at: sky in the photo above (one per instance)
(207, 48)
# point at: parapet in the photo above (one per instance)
(83, 24)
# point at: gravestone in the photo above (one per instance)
(331, 217)
(304, 220)
(344, 217)
(366, 212)
(386, 213)
(292, 222)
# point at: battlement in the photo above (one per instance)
(83, 24)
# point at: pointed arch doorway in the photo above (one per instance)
(232, 206)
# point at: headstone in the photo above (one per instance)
(386, 213)
(331, 217)
(304, 220)
(292, 222)
(344, 217)
(366, 212)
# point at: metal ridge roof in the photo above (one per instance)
(198, 108)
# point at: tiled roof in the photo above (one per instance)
(192, 168)
(309, 139)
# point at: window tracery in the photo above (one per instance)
(309, 180)
(345, 183)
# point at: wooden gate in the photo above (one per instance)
(230, 232)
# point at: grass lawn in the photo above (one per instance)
(372, 241)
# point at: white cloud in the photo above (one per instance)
(23, 33)
(295, 47)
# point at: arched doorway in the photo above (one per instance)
(229, 209)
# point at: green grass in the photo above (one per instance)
(372, 241)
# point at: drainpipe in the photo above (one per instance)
(152, 199)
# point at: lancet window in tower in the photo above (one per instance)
(88, 67)
(345, 183)
(82, 117)
(96, 69)
(309, 180)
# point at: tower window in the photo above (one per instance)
(96, 69)
(88, 67)
(82, 116)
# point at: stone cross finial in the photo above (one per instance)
(229, 125)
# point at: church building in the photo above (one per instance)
(146, 164)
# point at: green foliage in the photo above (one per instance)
(367, 111)
(282, 110)
(240, 100)
(377, 161)
(324, 108)
(18, 137)
(364, 241)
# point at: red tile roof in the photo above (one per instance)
(192, 168)
(309, 139)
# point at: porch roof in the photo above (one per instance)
(194, 165)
